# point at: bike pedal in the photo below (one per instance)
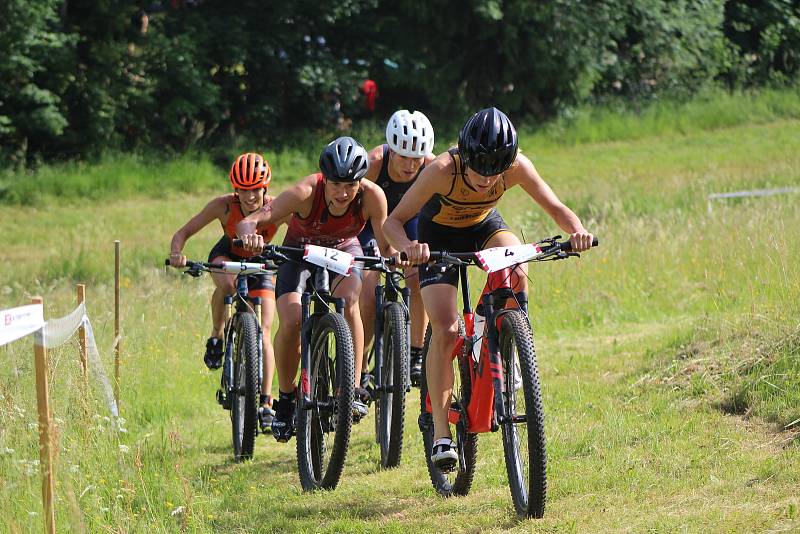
(447, 467)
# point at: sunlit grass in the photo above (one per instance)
(669, 361)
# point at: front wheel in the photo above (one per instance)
(323, 426)
(460, 481)
(244, 402)
(523, 425)
(390, 408)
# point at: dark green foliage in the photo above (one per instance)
(80, 77)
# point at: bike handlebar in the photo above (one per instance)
(274, 252)
(552, 247)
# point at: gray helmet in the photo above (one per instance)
(344, 160)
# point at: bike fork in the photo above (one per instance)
(495, 361)
(377, 339)
(305, 351)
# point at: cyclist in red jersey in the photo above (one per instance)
(455, 197)
(328, 208)
(394, 166)
(250, 176)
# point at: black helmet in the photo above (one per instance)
(344, 160)
(488, 142)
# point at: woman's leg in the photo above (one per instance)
(440, 303)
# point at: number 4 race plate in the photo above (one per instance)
(498, 258)
(334, 260)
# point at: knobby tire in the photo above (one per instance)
(331, 378)
(523, 442)
(244, 405)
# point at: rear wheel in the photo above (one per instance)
(244, 401)
(523, 427)
(458, 482)
(323, 428)
(390, 408)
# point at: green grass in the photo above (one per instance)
(670, 362)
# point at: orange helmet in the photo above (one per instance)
(250, 171)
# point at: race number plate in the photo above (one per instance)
(498, 258)
(236, 267)
(334, 260)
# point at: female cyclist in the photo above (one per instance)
(328, 208)
(250, 176)
(394, 166)
(457, 195)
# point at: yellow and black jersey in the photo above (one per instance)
(462, 206)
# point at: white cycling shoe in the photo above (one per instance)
(444, 455)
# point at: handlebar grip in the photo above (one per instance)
(566, 246)
(403, 256)
(237, 243)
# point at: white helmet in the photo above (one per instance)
(410, 134)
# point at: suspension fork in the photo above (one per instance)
(495, 294)
(260, 340)
(406, 293)
(378, 336)
(305, 348)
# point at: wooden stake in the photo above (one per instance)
(118, 342)
(82, 337)
(45, 423)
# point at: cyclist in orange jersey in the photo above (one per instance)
(329, 208)
(455, 197)
(250, 176)
(394, 166)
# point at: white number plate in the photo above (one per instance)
(334, 260)
(236, 267)
(498, 258)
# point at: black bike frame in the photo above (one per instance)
(384, 295)
(242, 293)
(318, 292)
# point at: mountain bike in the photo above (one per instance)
(242, 369)
(390, 356)
(325, 388)
(497, 386)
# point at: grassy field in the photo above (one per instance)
(670, 359)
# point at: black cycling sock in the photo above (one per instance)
(265, 399)
(522, 298)
(416, 352)
(286, 396)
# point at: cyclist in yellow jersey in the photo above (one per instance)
(455, 197)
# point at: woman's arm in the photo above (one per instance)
(526, 176)
(296, 199)
(375, 208)
(434, 178)
(215, 209)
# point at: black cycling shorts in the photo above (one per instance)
(258, 285)
(450, 239)
(292, 276)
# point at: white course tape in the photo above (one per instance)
(58, 331)
(19, 322)
(97, 367)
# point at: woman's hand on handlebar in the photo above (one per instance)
(253, 243)
(416, 253)
(581, 241)
(177, 259)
